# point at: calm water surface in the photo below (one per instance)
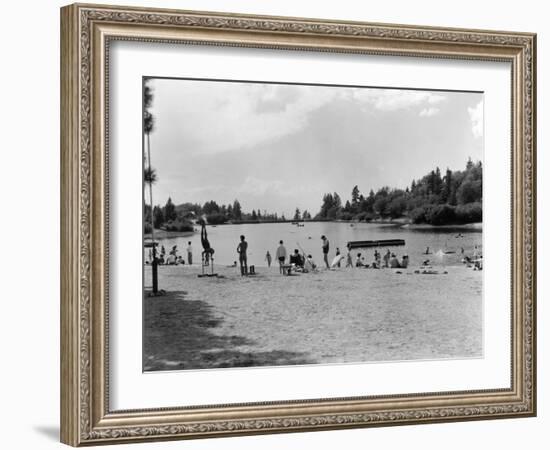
(265, 237)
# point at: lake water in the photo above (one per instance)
(265, 237)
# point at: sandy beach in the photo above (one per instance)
(333, 316)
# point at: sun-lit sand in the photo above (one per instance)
(334, 316)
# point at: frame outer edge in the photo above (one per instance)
(69, 208)
(533, 136)
(79, 421)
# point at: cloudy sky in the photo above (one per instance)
(278, 147)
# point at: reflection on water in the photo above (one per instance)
(446, 246)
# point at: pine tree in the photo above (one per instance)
(158, 216)
(347, 206)
(447, 185)
(237, 212)
(438, 182)
(169, 211)
(355, 195)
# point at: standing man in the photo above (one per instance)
(325, 250)
(281, 255)
(189, 253)
(241, 250)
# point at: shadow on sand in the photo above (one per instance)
(177, 335)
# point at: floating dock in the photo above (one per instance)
(379, 243)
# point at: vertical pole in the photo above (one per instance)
(154, 266)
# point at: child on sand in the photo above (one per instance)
(189, 253)
(387, 258)
(349, 262)
(309, 265)
(268, 258)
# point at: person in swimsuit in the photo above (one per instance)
(241, 250)
(325, 248)
(281, 255)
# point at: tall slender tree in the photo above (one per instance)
(355, 195)
(148, 127)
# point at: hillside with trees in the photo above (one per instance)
(454, 197)
(435, 199)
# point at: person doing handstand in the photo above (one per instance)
(208, 251)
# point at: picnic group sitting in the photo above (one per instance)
(475, 261)
(300, 263)
(172, 259)
(389, 261)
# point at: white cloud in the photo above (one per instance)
(198, 117)
(428, 112)
(256, 186)
(220, 117)
(396, 99)
(476, 117)
(261, 187)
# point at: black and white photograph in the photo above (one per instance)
(293, 224)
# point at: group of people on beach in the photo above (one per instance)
(172, 259)
(298, 260)
(388, 261)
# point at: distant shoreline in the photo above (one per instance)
(477, 226)
(163, 234)
(402, 223)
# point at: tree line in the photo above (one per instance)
(181, 217)
(437, 199)
(454, 197)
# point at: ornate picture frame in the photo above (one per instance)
(86, 34)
